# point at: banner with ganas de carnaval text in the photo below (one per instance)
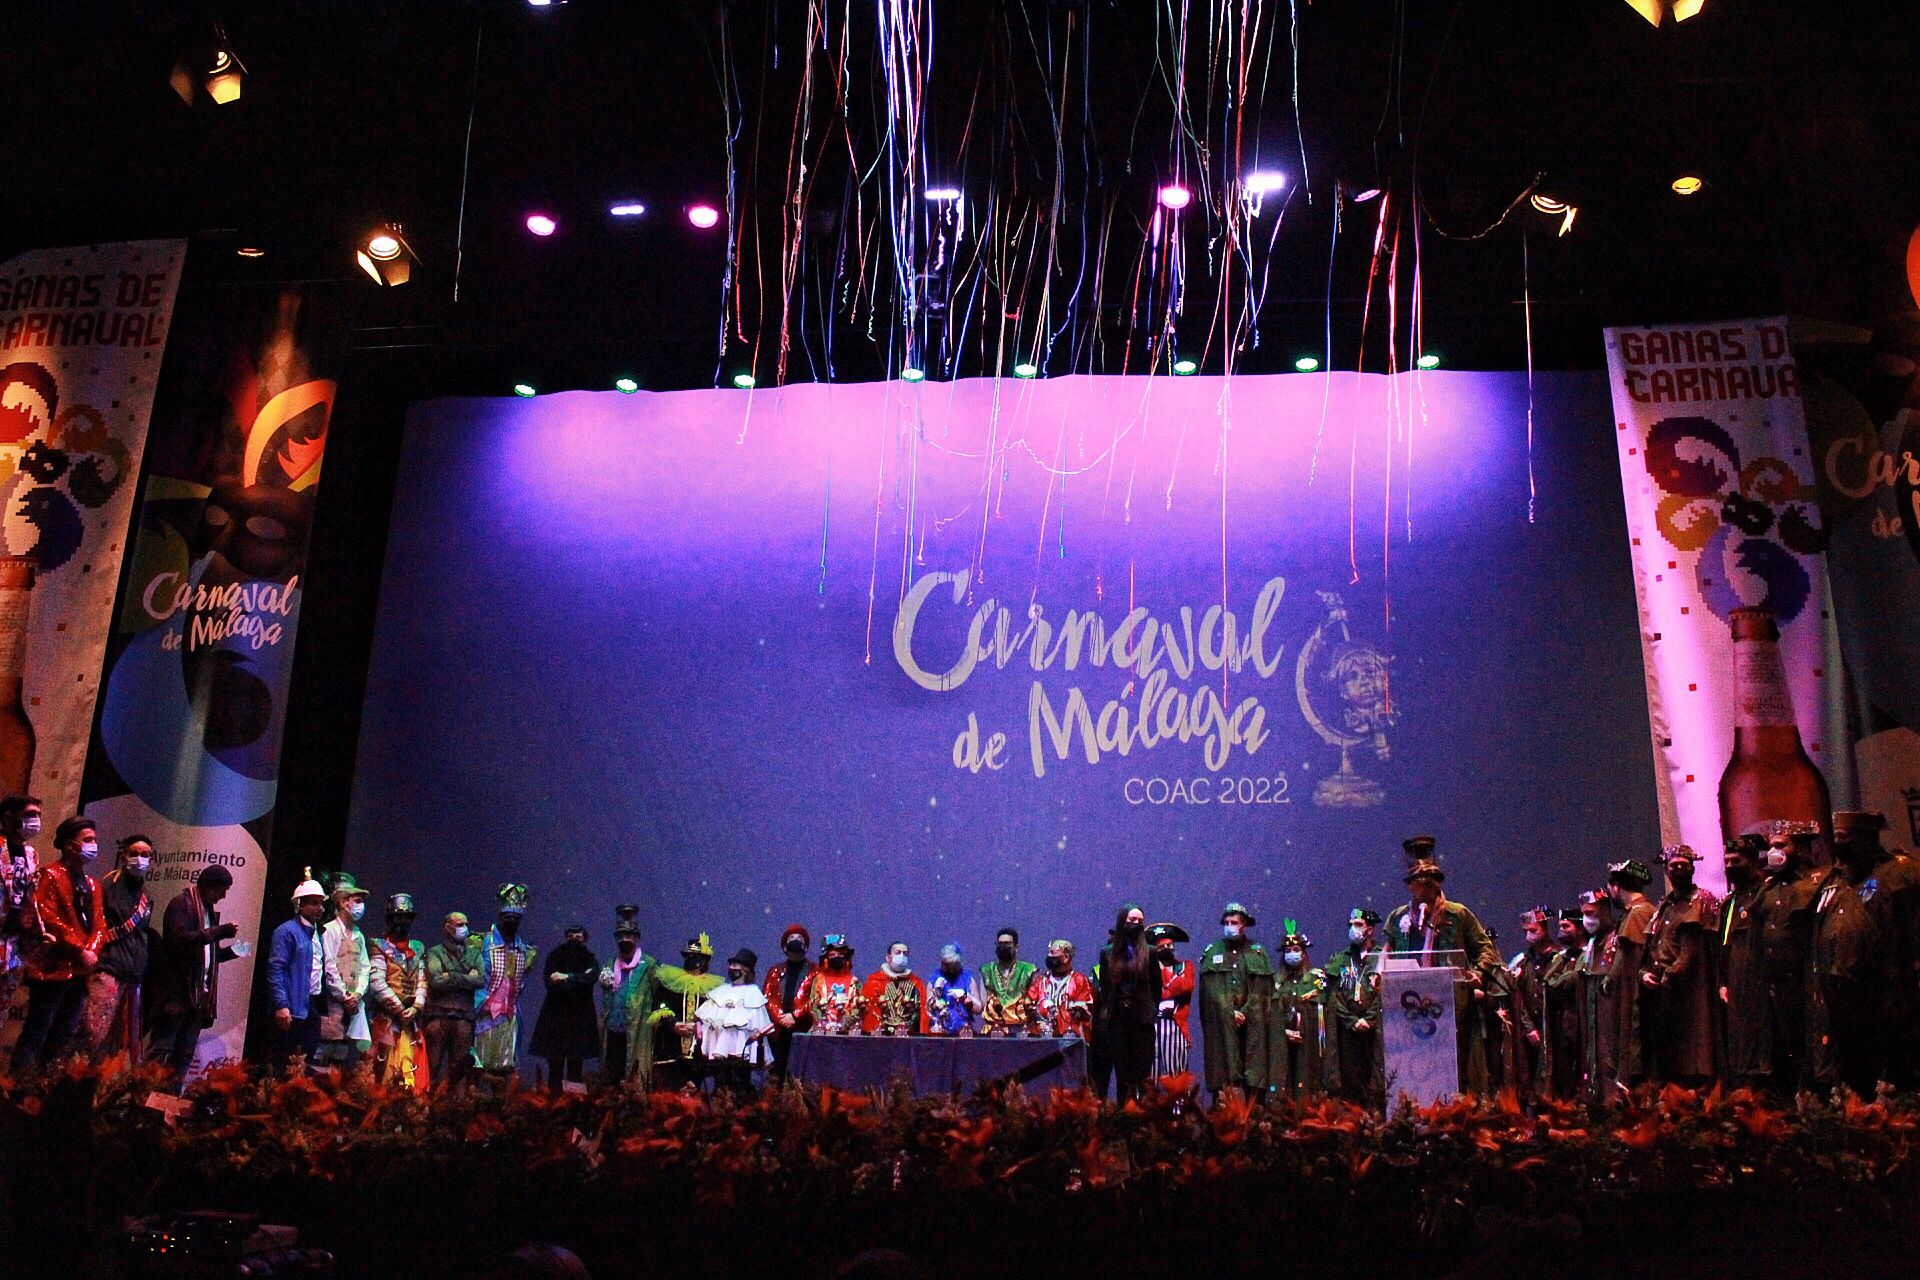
(192, 714)
(1723, 516)
(82, 334)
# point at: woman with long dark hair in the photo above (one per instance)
(1126, 1001)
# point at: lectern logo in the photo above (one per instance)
(1422, 1012)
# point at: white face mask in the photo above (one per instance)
(1357, 933)
(1590, 923)
(355, 910)
(89, 850)
(139, 865)
(1295, 957)
(1776, 859)
(30, 825)
(898, 961)
(1231, 929)
(460, 933)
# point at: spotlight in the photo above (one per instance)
(1307, 364)
(1556, 208)
(251, 251)
(213, 68)
(703, 216)
(541, 225)
(1175, 196)
(1689, 184)
(385, 255)
(1654, 10)
(627, 209)
(1264, 182)
(1026, 370)
(1185, 367)
(626, 386)
(1428, 361)
(1368, 194)
(744, 381)
(943, 195)
(524, 390)
(913, 374)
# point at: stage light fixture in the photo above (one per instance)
(1689, 184)
(1185, 367)
(524, 390)
(541, 225)
(744, 381)
(1554, 208)
(627, 209)
(626, 386)
(1307, 364)
(913, 374)
(1428, 361)
(1175, 196)
(943, 195)
(1369, 194)
(1656, 10)
(385, 256)
(703, 216)
(1264, 182)
(213, 68)
(1026, 370)
(251, 251)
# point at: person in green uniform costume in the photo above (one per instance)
(1866, 941)
(1300, 1004)
(1432, 923)
(1530, 1038)
(1561, 982)
(1238, 1030)
(1786, 911)
(1356, 1070)
(1742, 979)
(1599, 1050)
(635, 1006)
(1628, 881)
(677, 1060)
(1006, 981)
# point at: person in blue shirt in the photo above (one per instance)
(295, 976)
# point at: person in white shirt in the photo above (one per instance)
(734, 1026)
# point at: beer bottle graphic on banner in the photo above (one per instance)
(16, 731)
(1770, 774)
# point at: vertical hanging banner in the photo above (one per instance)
(1726, 538)
(82, 331)
(187, 740)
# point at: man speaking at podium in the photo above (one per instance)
(1432, 924)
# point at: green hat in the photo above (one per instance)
(513, 899)
(699, 946)
(1364, 915)
(1235, 909)
(1290, 930)
(345, 887)
(1629, 871)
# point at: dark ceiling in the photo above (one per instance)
(355, 112)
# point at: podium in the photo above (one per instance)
(1419, 1025)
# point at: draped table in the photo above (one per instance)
(938, 1064)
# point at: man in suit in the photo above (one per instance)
(187, 990)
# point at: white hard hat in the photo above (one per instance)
(308, 888)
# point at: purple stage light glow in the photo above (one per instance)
(703, 216)
(1175, 196)
(541, 225)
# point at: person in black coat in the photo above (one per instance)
(1126, 1001)
(567, 1033)
(184, 982)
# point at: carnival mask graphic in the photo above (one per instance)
(1748, 522)
(60, 464)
